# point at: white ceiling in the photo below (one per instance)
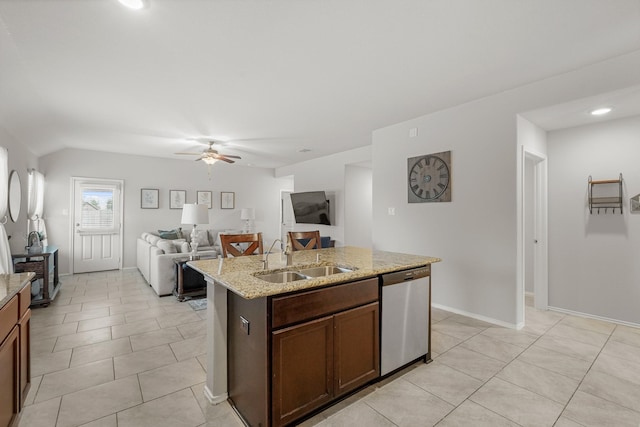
(277, 76)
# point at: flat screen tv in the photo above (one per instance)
(311, 207)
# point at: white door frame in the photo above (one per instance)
(540, 212)
(284, 229)
(76, 179)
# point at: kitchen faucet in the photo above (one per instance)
(288, 251)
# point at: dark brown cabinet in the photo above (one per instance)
(356, 346)
(9, 363)
(290, 355)
(15, 366)
(317, 361)
(302, 369)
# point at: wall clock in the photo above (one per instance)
(429, 178)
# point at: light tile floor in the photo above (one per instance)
(109, 353)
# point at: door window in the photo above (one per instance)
(97, 211)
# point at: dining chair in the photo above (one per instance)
(303, 240)
(234, 244)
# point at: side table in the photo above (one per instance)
(189, 283)
(45, 264)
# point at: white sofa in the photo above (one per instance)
(155, 257)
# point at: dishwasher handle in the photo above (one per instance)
(405, 275)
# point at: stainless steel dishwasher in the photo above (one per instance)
(405, 317)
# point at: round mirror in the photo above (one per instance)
(15, 195)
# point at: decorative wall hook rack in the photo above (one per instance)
(608, 195)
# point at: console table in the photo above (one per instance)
(44, 263)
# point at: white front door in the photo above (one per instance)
(97, 225)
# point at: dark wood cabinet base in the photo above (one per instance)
(291, 356)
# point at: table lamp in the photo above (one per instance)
(193, 213)
(247, 215)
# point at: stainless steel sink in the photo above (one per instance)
(322, 271)
(302, 273)
(281, 277)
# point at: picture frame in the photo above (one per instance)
(177, 199)
(149, 198)
(204, 198)
(227, 200)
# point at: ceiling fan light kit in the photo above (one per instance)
(208, 160)
(211, 155)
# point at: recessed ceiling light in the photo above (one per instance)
(601, 111)
(133, 4)
(304, 150)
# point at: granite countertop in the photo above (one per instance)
(11, 284)
(237, 274)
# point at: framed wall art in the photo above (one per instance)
(227, 200)
(204, 198)
(177, 199)
(429, 178)
(149, 198)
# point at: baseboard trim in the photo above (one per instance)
(479, 317)
(214, 400)
(593, 316)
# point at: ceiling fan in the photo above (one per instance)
(211, 155)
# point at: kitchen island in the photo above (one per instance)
(264, 314)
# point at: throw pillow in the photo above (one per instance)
(202, 238)
(176, 233)
(167, 246)
(183, 248)
(153, 239)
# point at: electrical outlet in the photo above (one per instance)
(244, 324)
(392, 211)
(413, 132)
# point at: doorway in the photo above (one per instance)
(96, 224)
(287, 220)
(534, 231)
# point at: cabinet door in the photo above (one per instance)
(9, 360)
(356, 347)
(302, 369)
(25, 356)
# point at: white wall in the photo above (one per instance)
(253, 187)
(475, 234)
(20, 160)
(594, 263)
(328, 174)
(358, 192)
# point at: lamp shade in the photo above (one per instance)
(247, 213)
(193, 213)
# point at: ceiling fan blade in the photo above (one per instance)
(199, 158)
(224, 159)
(231, 157)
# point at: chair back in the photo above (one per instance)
(303, 240)
(234, 244)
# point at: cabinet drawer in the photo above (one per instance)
(24, 298)
(8, 317)
(311, 304)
